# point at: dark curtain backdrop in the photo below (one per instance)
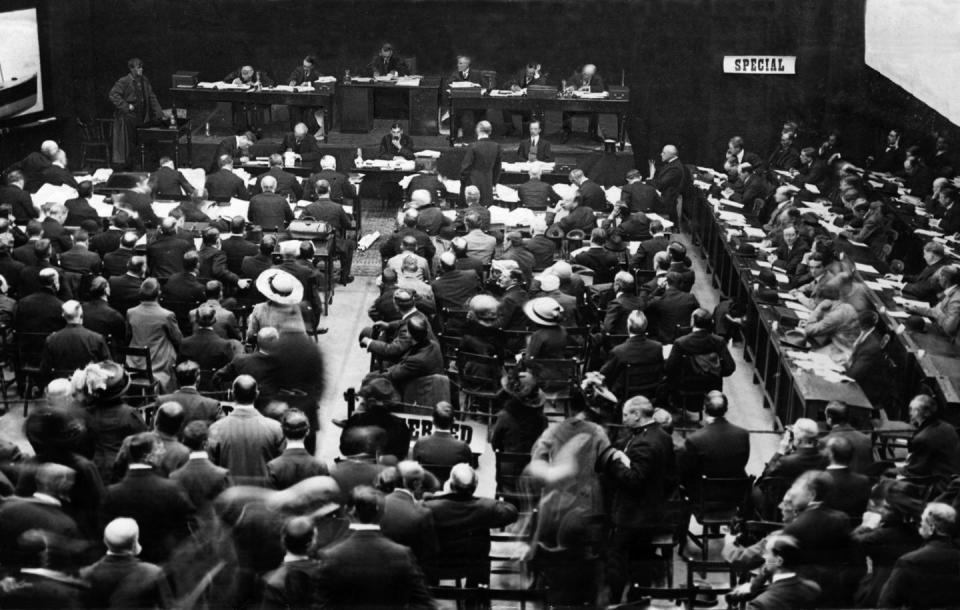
(670, 51)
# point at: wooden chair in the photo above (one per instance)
(643, 379)
(717, 501)
(558, 378)
(511, 482)
(95, 142)
(142, 381)
(479, 384)
(28, 351)
(451, 321)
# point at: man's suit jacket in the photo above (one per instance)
(107, 241)
(18, 515)
(330, 212)
(417, 362)
(862, 446)
(783, 159)
(167, 182)
(647, 250)
(536, 195)
(670, 179)
(928, 577)
(253, 266)
(792, 465)
(57, 176)
(340, 186)
(790, 258)
(270, 211)
(543, 249)
(99, 317)
(40, 312)
(641, 488)
(59, 239)
(754, 187)
(934, 450)
(389, 151)
(580, 217)
(348, 578)
(293, 466)
(236, 248)
(946, 313)
(213, 266)
(718, 449)
(25, 253)
(307, 146)
(72, 348)
(890, 159)
(20, 201)
(850, 493)
(287, 183)
(382, 66)
(792, 592)
(183, 287)
(480, 245)
(350, 473)
(208, 349)
(80, 260)
(925, 285)
(592, 195)
(640, 197)
(697, 343)
(814, 173)
(79, 210)
(407, 522)
(511, 309)
(867, 366)
(291, 585)
(463, 523)
(522, 80)
(141, 203)
(603, 262)
(481, 168)
(441, 451)
(195, 405)
(454, 288)
(165, 255)
(950, 222)
(543, 151)
(427, 182)
(123, 581)
(666, 312)
(596, 82)
(227, 146)
(243, 443)
(223, 185)
(124, 293)
(635, 350)
(160, 507)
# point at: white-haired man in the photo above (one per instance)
(73, 347)
(535, 194)
(340, 186)
(588, 81)
(268, 209)
(119, 579)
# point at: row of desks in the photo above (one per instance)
(356, 100)
(925, 361)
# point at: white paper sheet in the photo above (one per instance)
(50, 193)
(97, 202)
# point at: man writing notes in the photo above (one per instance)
(481, 165)
(464, 119)
(586, 81)
(300, 142)
(244, 115)
(135, 104)
(304, 75)
(387, 64)
(536, 148)
(529, 75)
(396, 144)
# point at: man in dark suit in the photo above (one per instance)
(137, 203)
(536, 194)
(427, 180)
(13, 193)
(73, 347)
(441, 450)
(119, 579)
(536, 148)
(268, 209)
(636, 350)
(213, 261)
(867, 363)
(512, 301)
(107, 241)
(161, 507)
(205, 347)
(838, 420)
(99, 317)
(79, 209)
(41, 511)
(588, 81)
(244, 441)
(125, 289)
(168, 182)
(236, 246)
(347, 576)
(812, 170)
(640, 197)
(624, 303)
(753, 186)
(934, 450)
(481, 164)
(718, 449)
(223, 184)
(405, 520)
(464, 120)
(295, 463)
(359, 446)
(850, 491)
(184, 286)
(340, 186)
(202, 480)
(789, 253)
(454, 287)
(58, 174)
(29, 281)
(590, 193)
(463, 523)
(10, 268)
(235, 147)
(396, 144)
(41, 311)
(542, 247)
(253, 266)
(603, 262)
(799, 452)
(925, 286)
(704, 352)
(325, 209)
(196, 406)
(785, 158)
(79, 258)
(674, 307)
(52, 225)
(26, 253)
(788, 589)
(166, 254)
(286, 183)
(387, 64)
(298, 141)
(290, 585)
(890, 159)
(640, 491)
(928, 577)
(648, 248)
(671, 179)
(424, 358)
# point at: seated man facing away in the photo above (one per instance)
(441, 450)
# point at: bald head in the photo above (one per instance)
(268, 184)
(669, 152)
(328, 162)
(72, 312)
(245, 390)
(49, 148)
(463, 479)
(300, 130)
(267, 339)
(122, 536)
(589, 70)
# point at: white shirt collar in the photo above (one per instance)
(295, 444)
(365, 527)
(782, 576)
(139, 467)
(198, 455)
(290, 557)
(837, 467)
(46, 499)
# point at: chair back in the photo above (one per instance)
(555, 375)
(137, 361)
(452, 321)
(720, 499)
(29, 347)
(427, 390)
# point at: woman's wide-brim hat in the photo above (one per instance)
(544, 311)
(280, 287)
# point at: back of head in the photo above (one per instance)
(637, 323)
(840, 450)
(836, 412)
(122, 536)
(129, 240)
(141, 447)
(72, 312)
(786, 548)
(195, 435)
(206, 316)
(295, 425)
(443, 415)
(419, 329)
(213, 290)
(367, 504)
(298, 535)
(211, 235)
(170, 416)
(715, 404)
(412, 474)
(388, 480)
(940, 518)
(463, 479)
(149, 289)
(245, 389)
(701, 319)
(267, 245)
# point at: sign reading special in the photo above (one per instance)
(760, 64)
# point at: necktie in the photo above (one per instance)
(463, 75)
(533, 143)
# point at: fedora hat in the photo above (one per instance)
(280, 287)
(544, 311)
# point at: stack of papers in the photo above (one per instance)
(463, 84)
(754, 232)
(326, 80)
(452, 186)
(361, 79)
(506, 93)
(613, 194)
(427, 154)
(591, 95)
(565, 191)
(56, 194)
(865, 268)
(102, 175)
(819, 364)
(506, 195)
(408, 81)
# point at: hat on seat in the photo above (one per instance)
(280, 287)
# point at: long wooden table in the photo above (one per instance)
(185, 96)
(538, 106)
(356, 105)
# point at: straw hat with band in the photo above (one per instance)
(544, 311)
(280, 287)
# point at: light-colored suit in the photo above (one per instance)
(154, 327)
(480, 245)
(243, 443)
(946, 313)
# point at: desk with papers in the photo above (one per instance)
(281, 95)
(422, 93)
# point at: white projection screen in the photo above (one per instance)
(21, 89)
(916, 44)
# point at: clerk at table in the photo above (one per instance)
(236, 147)
(388, 64)
(535, 144)
(396, 144)
(243, 114)
(301, 142)
(304, 75)
(586, 80)
(531, 74)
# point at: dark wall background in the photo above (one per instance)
(670, 50)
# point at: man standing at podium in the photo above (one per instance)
(387, 64)
(481, 165)
(135, 104)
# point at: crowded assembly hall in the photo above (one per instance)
(431, 323)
